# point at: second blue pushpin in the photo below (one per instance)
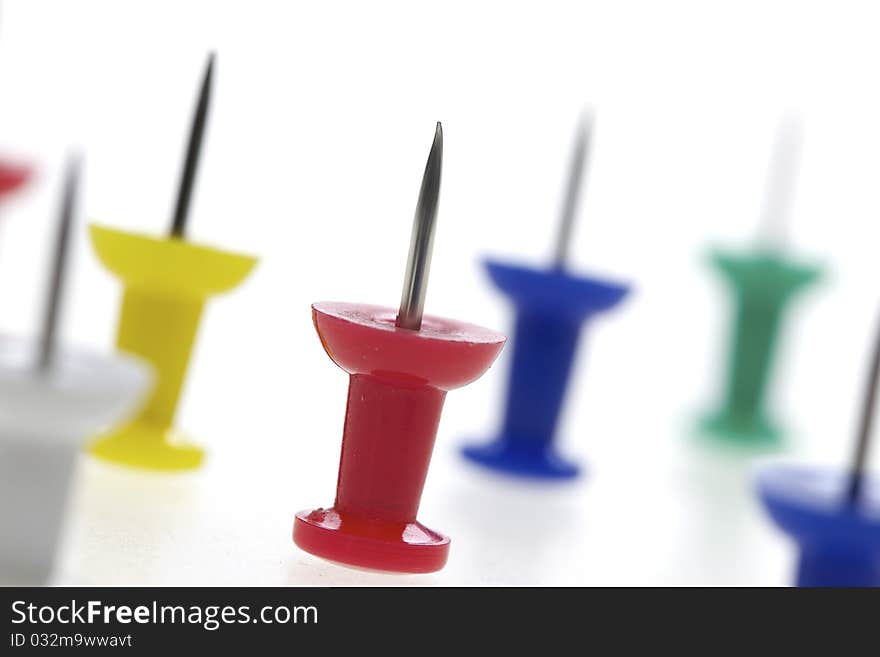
(551, 305)
(833, 515)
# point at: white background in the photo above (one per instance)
(322, 118)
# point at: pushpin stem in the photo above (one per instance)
(163, 328)
(860, 456)
(193, 151)
(573, 190)
(376, 409)
(756, 329)
(415, 282)
(552, 308)
(59, 265)
(544, 351)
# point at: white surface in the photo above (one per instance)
(322, 120)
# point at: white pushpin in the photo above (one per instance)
(51, 400)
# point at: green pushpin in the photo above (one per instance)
(763, 281)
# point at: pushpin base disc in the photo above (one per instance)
(514, 459)
(741, 429)
(148, 447)
(400, 547)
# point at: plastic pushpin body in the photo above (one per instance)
(45, 417)
(166, 284)
(398, 382)
(12, 177)
(551, 309)
(762, 283)
(839, 542)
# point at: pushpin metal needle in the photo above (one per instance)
(781, 177)
(193, 150)
(573, 190)
(415, 283)
(59, 263)
(860, 456)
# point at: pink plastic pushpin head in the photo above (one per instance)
(399, 379)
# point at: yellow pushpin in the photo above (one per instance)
(166, 283)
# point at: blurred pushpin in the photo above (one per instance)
(762, 281)
(166, 281)
(401, 364)
(834, 516)
(51, 399)
(12, 177)
(551, 307)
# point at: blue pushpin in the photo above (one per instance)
(551, 307)
(834, 516)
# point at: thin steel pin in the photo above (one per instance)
(49, 330)
(860, 456)
(573, 190)
(193, 150)
(782, 171)
(418, 265)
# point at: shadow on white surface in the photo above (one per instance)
(125, 522)
(306, 570)
(724, 538)
(513, 531)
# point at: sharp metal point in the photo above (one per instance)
(415, 282)
(573, 190)
(860, 456)
(782, 171)
(49, 329)
(193, 151)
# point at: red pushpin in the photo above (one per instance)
(401, 366)
(12, 176)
